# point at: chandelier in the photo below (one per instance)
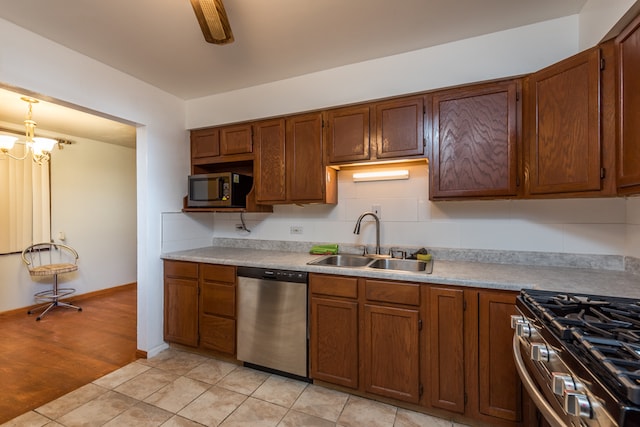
(38, 148)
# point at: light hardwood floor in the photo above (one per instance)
(41, 361)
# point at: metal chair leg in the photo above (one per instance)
(54, 303)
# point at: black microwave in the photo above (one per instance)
(224, 189)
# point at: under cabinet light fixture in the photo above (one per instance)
(389, 175)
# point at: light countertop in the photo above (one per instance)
(458, 273)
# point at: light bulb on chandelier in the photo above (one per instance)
(39, 148)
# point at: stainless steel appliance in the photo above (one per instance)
(579, 357)
(223, 189)
(272, 320)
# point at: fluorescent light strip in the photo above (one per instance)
(381, 175)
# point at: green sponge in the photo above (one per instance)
(329, 249)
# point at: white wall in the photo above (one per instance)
(598, 17)
(30, 62)
(583, 226)
(633, 227)
(94, 203)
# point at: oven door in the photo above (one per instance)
(545, 408)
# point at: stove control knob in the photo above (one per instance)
(540, 352)
(577, 404)
(562, 383)
(525, 330)
(515, 319)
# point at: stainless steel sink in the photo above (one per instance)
(399, 264)
(342, 260)
(376, 262)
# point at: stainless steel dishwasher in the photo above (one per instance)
(272, 320)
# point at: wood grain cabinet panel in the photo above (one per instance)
(475, 141)
(205, 143)
(445, 352)
(334, 341)
(181, 302)
(391, 352)
(400, 128)
(564, 143)
(347, 134)
(628, 49)
(498, 383)
(270, 173)
(308, 180)
(236, 140)
(217, 308)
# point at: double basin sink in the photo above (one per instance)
(363, 261)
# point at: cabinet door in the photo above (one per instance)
(400, 128)
(236, 140)
(499, 387)
(475, 142)
(334, 341)
(446, 348)
(305, 170)
(390, 353)
(205, 143)
(564, 152)
(218, 308)
(628, 43)
(180, 311)
(270, 173)
(347, 134)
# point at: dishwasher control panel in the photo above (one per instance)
(273, 274)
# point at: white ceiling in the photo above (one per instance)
(160, 42)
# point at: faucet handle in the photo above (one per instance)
(364, 250)
(397, 253)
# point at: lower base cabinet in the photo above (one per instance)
(200, 305)
(440, 347)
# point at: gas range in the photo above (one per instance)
(583, 354)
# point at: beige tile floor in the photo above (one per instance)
(181, 389)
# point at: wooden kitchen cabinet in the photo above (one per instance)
(445, 352)
(181, 302)
(308, 179)
(391, 337)
(219, 145)
(333, 328)
(476, 141)
(205, 143)
(569, 129)
(217, 314)
(270, 174)
(495, 391)
(399, 125)
(347, 134)
(628, 150)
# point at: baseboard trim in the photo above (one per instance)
(79, 297)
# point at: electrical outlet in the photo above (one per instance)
(296, 229)
(377, 209)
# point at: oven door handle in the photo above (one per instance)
(538, 398)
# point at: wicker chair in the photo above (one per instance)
(51, 259)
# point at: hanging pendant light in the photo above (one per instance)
(39, 148)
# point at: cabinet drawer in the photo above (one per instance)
(218, 334)
(338, 286)
(218, 273)
(181, 269)
(219, 299)
(394, 292)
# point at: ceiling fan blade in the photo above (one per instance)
(213, 21)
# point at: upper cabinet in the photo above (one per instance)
(308, 180)
(385, 130)
(628, 49)
(569, 120)
(347, 134)
(289, 165)
(220, 145)
(476, 141)
(400, 128)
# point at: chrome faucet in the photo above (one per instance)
(357, 229)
